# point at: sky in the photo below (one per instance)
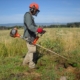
(51, 11)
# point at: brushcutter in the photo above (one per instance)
(14, 33)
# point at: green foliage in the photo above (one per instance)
(11, 68)
(3, 50)
(17, 47)
(49, 75)
(55, 45)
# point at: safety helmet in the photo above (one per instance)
(34, 5)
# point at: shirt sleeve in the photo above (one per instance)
(30, 23)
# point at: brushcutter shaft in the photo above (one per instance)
(51, 51)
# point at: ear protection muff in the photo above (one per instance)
(32, 9)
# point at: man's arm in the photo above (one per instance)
(28, 21)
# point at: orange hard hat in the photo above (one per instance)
(32, 5)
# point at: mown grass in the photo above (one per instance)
(63, 41)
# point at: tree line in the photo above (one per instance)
(8, 28)
(68, 25)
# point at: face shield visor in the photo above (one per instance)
(36, 13)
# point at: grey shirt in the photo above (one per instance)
(30, 27)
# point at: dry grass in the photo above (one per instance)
(64, 41)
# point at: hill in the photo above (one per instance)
(21, 24)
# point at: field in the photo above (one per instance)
(63, 41)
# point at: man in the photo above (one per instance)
(30, 30)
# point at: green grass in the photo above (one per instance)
(63, 41)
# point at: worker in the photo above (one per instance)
(30, 29)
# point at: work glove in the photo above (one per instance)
(40, 30)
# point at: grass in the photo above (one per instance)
(63, 41)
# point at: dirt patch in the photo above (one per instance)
(70, 69)
(25, 75)
(75, 71)
(77, 74)
(36, 78)
(67, 67)
(32, 73)
(17, 75)
(35, 75)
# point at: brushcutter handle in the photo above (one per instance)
(42, 33)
